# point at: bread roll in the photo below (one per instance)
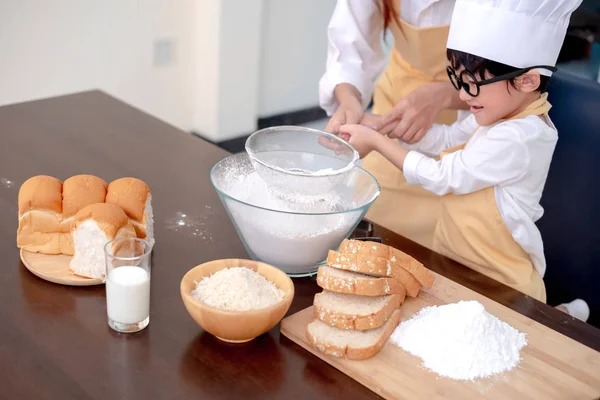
(134, 197)
(40, 193)
(93, 227)
(78, 192)
(40, 207)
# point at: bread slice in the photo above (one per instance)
(351, 344)
(340, 281)
(397, 257)
(40, 209)
(350, 311)
(94, 226)
(134, 197)
(417, 269)
(375, 266)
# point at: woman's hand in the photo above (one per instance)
(371, 120)
(362, 138)
(350, 110)
(412, 117)
(375, 121)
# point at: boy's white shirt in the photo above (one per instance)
(513, 156)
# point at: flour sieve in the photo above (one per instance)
(296, 162)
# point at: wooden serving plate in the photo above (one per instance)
(55, 268)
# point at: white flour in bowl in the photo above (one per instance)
(252, 189)
(237, 289)
(461, 341)
(292, 242)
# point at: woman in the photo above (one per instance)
(413, 92)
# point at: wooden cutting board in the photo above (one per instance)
(553, 366)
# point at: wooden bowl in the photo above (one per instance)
(236, 326)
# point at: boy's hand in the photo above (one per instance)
(362, 138)
(334, 145)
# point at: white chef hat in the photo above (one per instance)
(519, 33)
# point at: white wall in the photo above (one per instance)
(294, 51)
(239, 63)
(205, 85)
(61, 46)
(232, 60)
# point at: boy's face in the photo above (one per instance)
(495, 101)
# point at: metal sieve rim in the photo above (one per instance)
(254, 157)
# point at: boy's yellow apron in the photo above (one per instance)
(471, 231)
(418, 58)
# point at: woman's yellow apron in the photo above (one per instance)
(418, 58)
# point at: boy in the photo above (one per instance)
(490, 168)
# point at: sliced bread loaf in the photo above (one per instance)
(417, 269)
(375, 266)
(350, 311)
(397, 257)
(337, 280)
(351, 344)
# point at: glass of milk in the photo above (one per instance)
(128, 284)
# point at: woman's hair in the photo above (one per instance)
(389, 12)
(478, 65)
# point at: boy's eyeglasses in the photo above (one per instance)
(467, 81)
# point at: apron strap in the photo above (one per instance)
(539, 107)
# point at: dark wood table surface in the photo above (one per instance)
(54, 340)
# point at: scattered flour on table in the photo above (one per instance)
(237, 289)
(461, 341)
(191, 225)
(6, 183)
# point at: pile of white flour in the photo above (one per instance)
(461, 341)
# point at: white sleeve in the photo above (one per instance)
(355, 53)
(441, 137)
(498, 157)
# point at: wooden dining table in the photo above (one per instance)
(55, 342)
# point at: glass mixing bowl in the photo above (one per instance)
(278, 230)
